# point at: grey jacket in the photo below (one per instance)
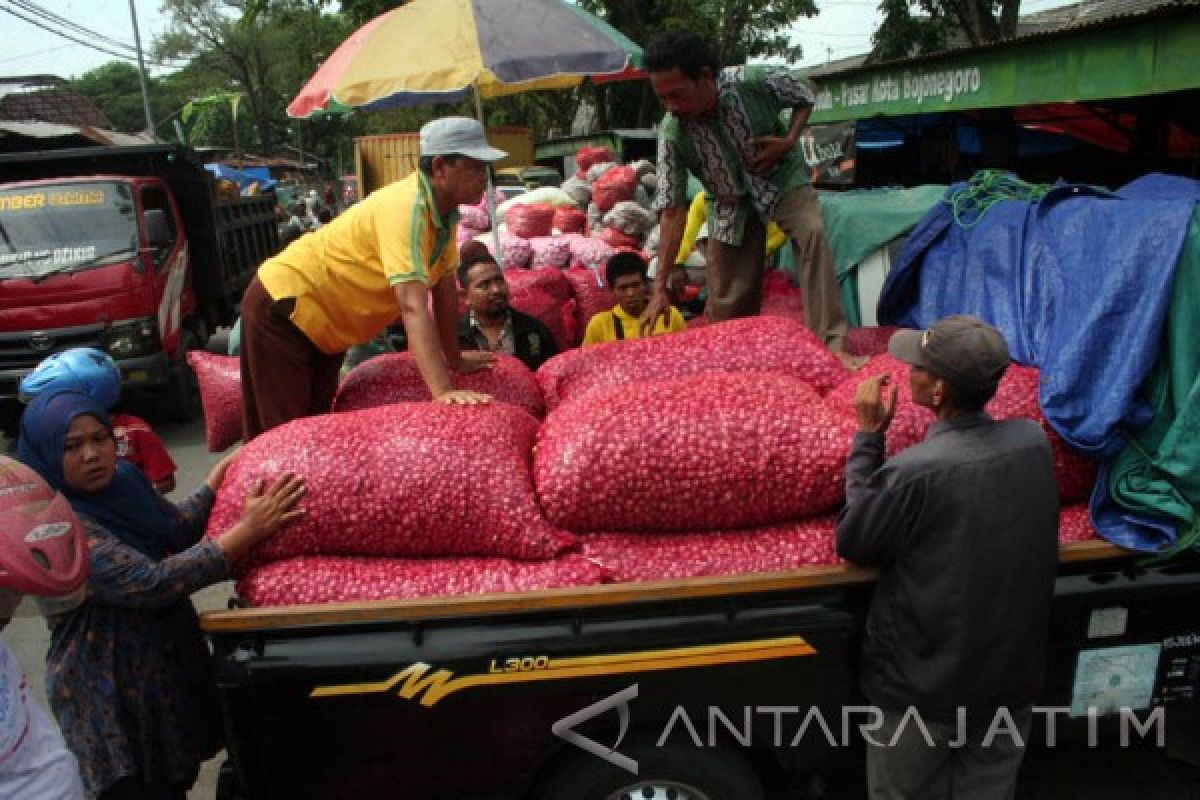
(964, 527)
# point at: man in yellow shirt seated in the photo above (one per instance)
(391, 255)
(627, 280)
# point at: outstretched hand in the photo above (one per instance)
(874, 407)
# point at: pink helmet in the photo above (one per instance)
(42, 545)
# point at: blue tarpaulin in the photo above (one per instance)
(243, 179)
(1079, 283)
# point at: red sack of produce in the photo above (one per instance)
(615, 186)
(773, 344)
(552, 312)
(550, 252)
(474, 217)
(335, 579)
(393, 378)
(220, 381)
(869, 341)
(517, 251)
(671, 556)
(1018, 397)
(614, 238)
(910, 422)
(591, 295)
(1075, 524)
(412, 479)
(570, 220)
(545, 294)
(704, 452)
(530, 219)
(588, 157)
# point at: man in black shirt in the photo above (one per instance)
(490, 323)
(963, 527)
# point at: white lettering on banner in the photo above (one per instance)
(945, 85)
(815, 154)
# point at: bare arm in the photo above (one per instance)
(670, 233)
(424, 337)
(445, 312)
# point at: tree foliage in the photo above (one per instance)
(923, 26)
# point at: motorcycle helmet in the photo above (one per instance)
(84, 369)
(42, 543)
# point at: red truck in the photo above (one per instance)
(129, 249)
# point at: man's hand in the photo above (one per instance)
(770, 150)
(659, 306)
(473, 361)
(873, 409)
(464, 397)
(676, 281)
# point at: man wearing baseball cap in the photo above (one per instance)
(963, 527)
(383, 258)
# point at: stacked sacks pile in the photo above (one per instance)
(397, 497)
(474, 219)
(591, 294)
(393, 378)
(588, 157)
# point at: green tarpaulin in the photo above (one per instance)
(859, 222)
(1160, 472)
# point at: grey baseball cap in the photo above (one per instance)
(964, 350)
(462, 136)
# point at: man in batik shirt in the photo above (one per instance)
(726, 127)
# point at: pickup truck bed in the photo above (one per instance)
(457, 697)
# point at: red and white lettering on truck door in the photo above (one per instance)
(170, 311)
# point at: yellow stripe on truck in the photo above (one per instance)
(433, 686)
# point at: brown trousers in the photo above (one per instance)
(284, 375)
(735, 274)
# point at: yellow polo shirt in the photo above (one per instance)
(603, 328)
(342, 275)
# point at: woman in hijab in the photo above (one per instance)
(128, 670)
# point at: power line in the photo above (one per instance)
(75, 38)
(50, 16)
(33, 53)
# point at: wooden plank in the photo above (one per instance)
(277, 617)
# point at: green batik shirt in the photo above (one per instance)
(719, 149)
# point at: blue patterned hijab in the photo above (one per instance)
(128, 507)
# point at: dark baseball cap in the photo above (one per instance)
(962, 349)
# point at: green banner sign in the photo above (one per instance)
(1142, 58)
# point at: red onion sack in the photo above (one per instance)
(393, 378)
(1075, 524)
(413, 479)
(591, 295)
(670, 556)
(570, 220)
(773, 344)
(530, 220)
(220, 381)
(588, 157)
(337, 579)
(703, 452)
(617, 185)
(869, 341)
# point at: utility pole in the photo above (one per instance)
(137, 40)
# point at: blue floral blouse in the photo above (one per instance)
(128, 673)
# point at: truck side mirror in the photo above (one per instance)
(158, 233)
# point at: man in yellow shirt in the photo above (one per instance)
(626, 275)
(385, 257)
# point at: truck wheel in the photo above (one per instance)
(183, 394)
(664, 773)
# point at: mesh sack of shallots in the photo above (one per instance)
(518, 253)
(550, 310)
(530, 220)
(337, 579)
(550, 252)
(704, 452)
(588, 157)
(1016, 398)
(591, 295)
(220, 381)
(910, 422)
(412, 479)
(1075, 524)
(570, 220)
(869, 341)
(474, 217)
(614, 186)
(591, 253)
(773, 344)
(619, 241)
(630, 219)
(670, 556)
(394, 378)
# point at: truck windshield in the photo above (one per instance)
(49, 229)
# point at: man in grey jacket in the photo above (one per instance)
(963, 527)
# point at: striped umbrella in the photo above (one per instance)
(432, 51)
